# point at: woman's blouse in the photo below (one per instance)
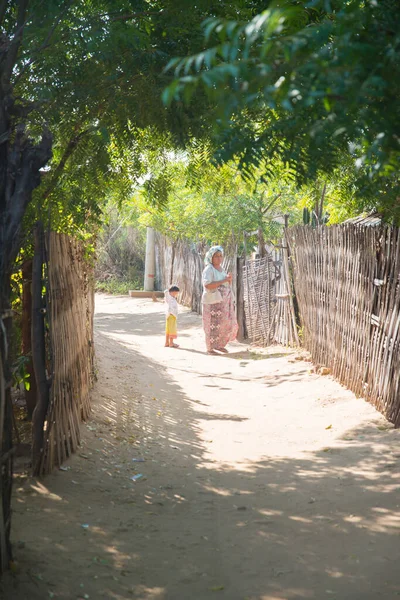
(211, 275)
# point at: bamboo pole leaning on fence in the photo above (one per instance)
(285, 332)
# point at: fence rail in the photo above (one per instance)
(348, 291)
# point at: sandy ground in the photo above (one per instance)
(260, 481)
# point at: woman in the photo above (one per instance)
(219, 319)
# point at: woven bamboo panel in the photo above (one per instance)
(70, 313)
(259, 300)
(348, 292)
(268, 301)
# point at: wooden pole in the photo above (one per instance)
(150, 261)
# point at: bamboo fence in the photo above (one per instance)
(180, 263)
(268, 300)
(285, 326)
(70, 314)
(259, 300)
(348, 291)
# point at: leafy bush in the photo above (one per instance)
(116, 286)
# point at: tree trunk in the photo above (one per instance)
(171, 273)
(261, 243)
(38, 352)
(31, 394)
(6, 442)
(21, 159)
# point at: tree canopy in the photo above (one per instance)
(310, 87)
(94, 73)
(308, 83)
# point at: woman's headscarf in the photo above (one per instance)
(210, 254)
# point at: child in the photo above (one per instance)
(171, 313)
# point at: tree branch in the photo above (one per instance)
(71, 146)
(321, 206)
(97, 19)
(26, 160)
(265, 210)
(45, 43)
(15, 42)
(145, 13)
(3, 10)
(23, 109)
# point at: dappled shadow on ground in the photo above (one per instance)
(276, 379)
(128, 323)
(140, 323)
(245, 357)
(248, 355)
(192, 528)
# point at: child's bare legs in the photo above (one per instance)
(169, 342)
(172, 343)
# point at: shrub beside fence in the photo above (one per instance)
(347, 285)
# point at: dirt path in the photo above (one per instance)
(260, 481)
